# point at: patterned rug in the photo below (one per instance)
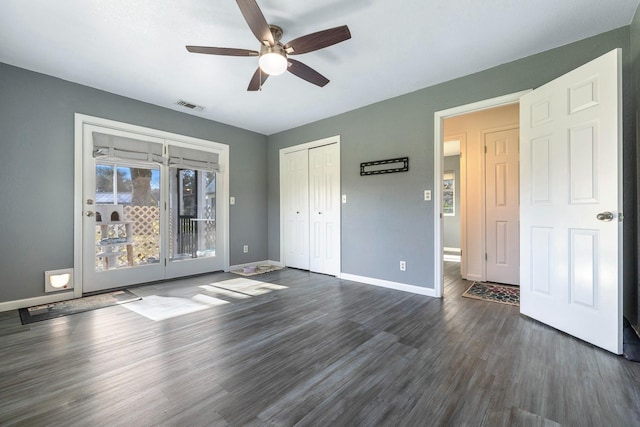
(504, 294)
(254, 270)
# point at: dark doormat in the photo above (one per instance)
(65, 308)
(630, 342)
(504, 294)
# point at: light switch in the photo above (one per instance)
(427, 195)
(232, 200)
(344, 198)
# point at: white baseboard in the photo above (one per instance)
(30, 302)
(255, 263)
(276, 263)
(388, 284)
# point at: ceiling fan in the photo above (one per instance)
(273, 55)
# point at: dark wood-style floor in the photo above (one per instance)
(320, 352)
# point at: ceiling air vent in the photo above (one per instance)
(190, 105)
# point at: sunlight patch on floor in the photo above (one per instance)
(214, 294)
(241, 286)
(158, 308)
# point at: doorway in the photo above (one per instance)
(487, 165)
(440, 117)
(152, 204)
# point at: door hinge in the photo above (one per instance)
(165, 262)
(620, 216)
(486, 257)
(485, 149)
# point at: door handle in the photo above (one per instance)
(90, 213)
(605, 216)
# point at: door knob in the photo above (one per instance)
(90, 213)
(605, 216)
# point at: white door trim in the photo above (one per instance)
(306, 146)
(439, 117)
(80, 121)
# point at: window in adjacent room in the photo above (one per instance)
(449, 193)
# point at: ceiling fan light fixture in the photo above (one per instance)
(273, 63)
(273, 56)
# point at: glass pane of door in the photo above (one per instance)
(127, 225)
(122, 219)
(192, 214)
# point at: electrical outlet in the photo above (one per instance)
(344, 198)
(245, 249)
(232, 200)
(403, 266)
(427, 195)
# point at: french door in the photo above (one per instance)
(153, 208)
(194, 238)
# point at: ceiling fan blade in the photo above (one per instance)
(258, 79)
(222, 51)
(254, 17)
(318, 40)
(306, 73)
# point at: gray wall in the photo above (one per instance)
(37, 173)
(451, 228)
(385, 219)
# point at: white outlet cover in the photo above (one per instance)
(344, 198)
(232, 200)
(427, 195)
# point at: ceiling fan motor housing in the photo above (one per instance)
(273, 59)
(276, 32)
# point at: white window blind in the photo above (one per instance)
(114, 147)
(189, 158)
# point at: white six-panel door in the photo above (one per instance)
(296, 209)
(571, 170)
(502, 206)
(324, 200)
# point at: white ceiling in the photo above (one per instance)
(136, 48)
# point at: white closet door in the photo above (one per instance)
(296, 215)
(324, 194)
